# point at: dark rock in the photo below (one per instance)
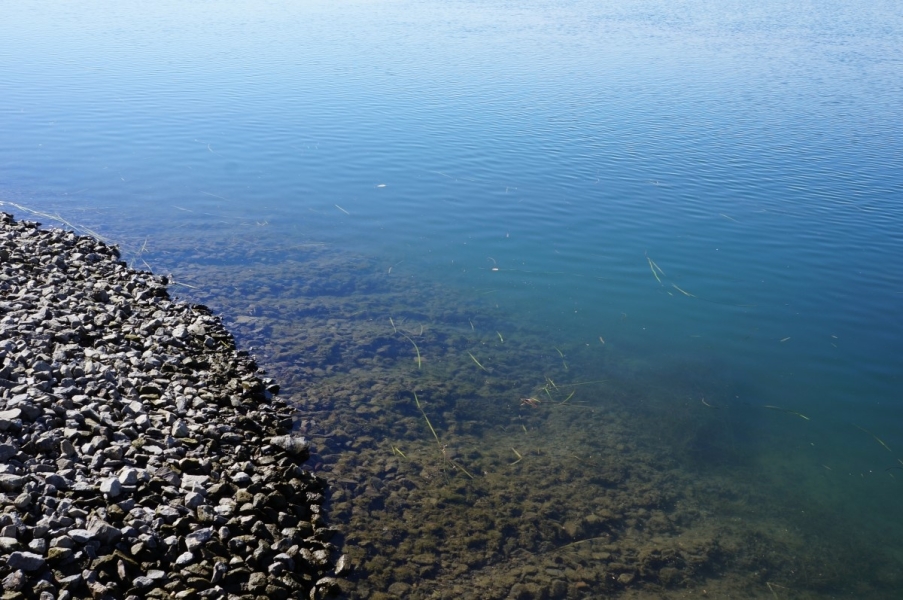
(26, 561)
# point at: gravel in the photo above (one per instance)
(141, 454)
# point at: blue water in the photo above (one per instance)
(716, 183)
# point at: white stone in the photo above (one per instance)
(111, 487)
(128, 476)
(180, 429)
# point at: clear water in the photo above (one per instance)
(713, 189)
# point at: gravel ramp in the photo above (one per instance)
(141, 454)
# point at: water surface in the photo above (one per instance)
(698, 203)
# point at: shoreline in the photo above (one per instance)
(141, 454)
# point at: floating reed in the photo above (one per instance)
(416, 349)
(478, 362)
(427, 419)
(439, 442)
(787, 410)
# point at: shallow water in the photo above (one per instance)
(690, 209)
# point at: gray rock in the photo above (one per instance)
(293, 444)
(110, 487)
(241, 479)
(66, 448)
(29, 411)
(104, 532)
(219, 570)
(198, 538)
(180, 429)
(193, 500)
(11, 483)
(195, 482)
(62, 542)
(7, 451)
(82, 536)
(184, 559)
(128, 476)
(342, 565)
(206, 513)
(8, 544)
(134, 408)
(11, 414)
(71, 581)
(257, 582)
(23, 501)
(26, 561)
(57, 481)
(15, 581)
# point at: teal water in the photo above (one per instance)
(712, 186)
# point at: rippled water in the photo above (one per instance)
(709, 193)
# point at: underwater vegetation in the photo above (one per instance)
(471, 456)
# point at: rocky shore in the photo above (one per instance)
(141, 455)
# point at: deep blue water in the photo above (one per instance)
(548, 155)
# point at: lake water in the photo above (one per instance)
(579, 298)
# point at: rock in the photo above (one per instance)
(293, 444)
(11, 414)
(401, 589)
(626, 578)
(71, 581)
(26, 561)
(82, 536)
(8, 544)
(134, 408)
(142, 583)
(110, 487)
(7, 451)
(219, 570)
(128, 476)
(241, 479)
(14, 581)
(193, 500)
(206, 514)
(66, 448)
(57, 481)
(104, 532)
(180, 429)
(198, 538)
(11, 483)
(59, 554)
(257, 582)
(342, 565)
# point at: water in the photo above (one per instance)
(698, 203)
